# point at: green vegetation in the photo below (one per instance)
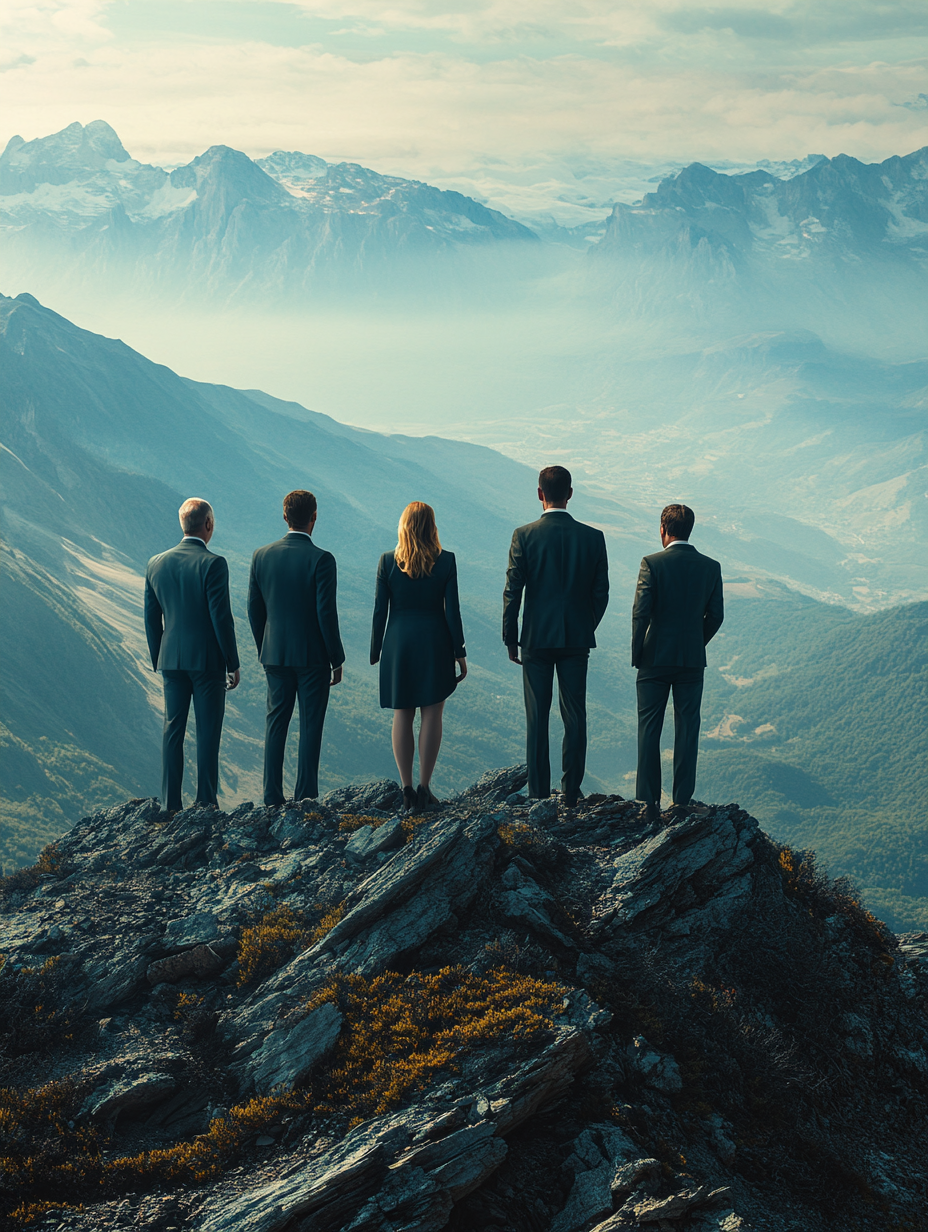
(817, 727)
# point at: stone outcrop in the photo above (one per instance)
(194, 972)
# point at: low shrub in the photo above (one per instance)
(269, 943)
(35, 1013)
(401, 1031)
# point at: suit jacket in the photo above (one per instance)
(561, 566)
(678, 608)
(188, 619)
(291, 604)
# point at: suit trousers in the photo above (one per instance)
(538, 671)
(208, 691)
(284, 686)
(655, 685)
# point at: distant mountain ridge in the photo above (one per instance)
(277, 222)
(226, 225)
(839, 207)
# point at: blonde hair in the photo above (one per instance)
(417, 545)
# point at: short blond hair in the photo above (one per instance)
(194, 513)
(418, 546)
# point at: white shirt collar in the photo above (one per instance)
(678, 543)
(197, 537)
(305, 534)
(544, 511)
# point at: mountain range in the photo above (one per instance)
(100, 445)
(292, 225)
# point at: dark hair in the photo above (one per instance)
(554, 482)
(299, 508)
(678, 521)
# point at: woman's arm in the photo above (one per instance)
(453, 610)
(381, 609)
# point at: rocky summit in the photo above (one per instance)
(502, 1014)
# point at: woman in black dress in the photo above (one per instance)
(417, 637)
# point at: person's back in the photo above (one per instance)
(191, 640)
(294, 620)
(558, 573)
(190, 584)
(678, 609)
(294, 581)
(417, 638)
(562, 563)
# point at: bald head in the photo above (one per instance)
(196, 516)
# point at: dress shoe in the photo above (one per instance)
(410, 799)
(572, 801)
(651, 812)
(428, 802)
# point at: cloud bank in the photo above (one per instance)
(425, 87)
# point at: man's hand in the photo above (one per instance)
(336, 676)
(233, 678)
(514, 653)
(462, 664)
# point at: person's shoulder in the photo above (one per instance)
(528, 528)
(386, 559)
(709, 562)
(591, 532)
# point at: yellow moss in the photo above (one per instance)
(208, 1154)
(28, 1212)
(327, 923)
(514, 833)
(402, 1031)
(349, 822)
(268, 944)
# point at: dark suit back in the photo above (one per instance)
(188, 619)
(678, 608)
(561, 566)
(291, 604)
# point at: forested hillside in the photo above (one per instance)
(816, 722)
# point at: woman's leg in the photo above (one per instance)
(404, 744)
(429, 740)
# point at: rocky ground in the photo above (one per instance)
(328, 1017)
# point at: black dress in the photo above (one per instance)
(419, 643)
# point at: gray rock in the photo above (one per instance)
(496, 785)
(385, 795)
(665, 881)
(628, 1176)
(203, 963)
(371, 840)
(596, 1155)
(656, 1068)
(542, 812)
(292, 1049)
(139, 1089)
(339, 1180)
(589, 1200)
(525, 901)
(191, 930)
(656, 1210)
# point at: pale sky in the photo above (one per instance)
(422, 86)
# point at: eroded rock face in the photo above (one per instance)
(695, 980)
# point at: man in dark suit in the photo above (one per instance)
(291, 606)
(561, 567)
(191, 639)
(678, 610)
